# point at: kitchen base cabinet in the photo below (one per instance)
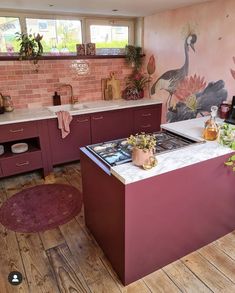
(147, 119)
(111, 125)
(34, 158)
(67, 149)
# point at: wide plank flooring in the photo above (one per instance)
(68, 260)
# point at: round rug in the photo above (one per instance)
(41, 208)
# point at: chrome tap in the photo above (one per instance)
(73, 100)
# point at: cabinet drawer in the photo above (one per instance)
(17, 131)
(21, 163)
(147, 120)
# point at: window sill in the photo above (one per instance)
(63, 57)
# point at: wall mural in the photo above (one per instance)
(191, 95)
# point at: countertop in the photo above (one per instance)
(23, 115)
(128, 173)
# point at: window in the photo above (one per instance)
(59, 36)
(107, 36)
(109, 33)
(8, 27)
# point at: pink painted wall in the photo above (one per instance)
(213, 23)
(29, 88)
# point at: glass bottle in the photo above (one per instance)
(211, 129)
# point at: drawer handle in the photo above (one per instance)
(146, 115)
(97, 118)
(22, 164)
(84, 120)
(146, 126)
(17, 130)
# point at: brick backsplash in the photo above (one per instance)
(29, 88)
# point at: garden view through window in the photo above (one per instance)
(8, 27)
(108, 36)
(59, 36)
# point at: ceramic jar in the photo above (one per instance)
(8, 104)
(142, 157)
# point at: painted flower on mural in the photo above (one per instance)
(199, 102)
(190, 86)
(151, 66)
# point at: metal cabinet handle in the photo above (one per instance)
(22, 164)
(17, 130)
(97, 118)
(146, 115)
(146, 126)
(84, 120)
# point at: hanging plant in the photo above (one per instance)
(134, 56)
(30, 47)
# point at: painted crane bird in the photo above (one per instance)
(170, 79)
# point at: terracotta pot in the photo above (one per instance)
(141, 157)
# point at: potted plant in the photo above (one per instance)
(135, 85)
(30, 47)
(133, 56)
(143, 150)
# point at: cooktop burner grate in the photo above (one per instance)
(118, 151)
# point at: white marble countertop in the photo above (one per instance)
(128, 173)
(22, 115)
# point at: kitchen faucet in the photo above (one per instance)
(73, 100)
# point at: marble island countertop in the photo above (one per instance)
(128, 173)
(23, 115)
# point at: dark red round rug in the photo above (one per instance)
(41, 208)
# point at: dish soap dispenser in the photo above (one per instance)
(56, 99)
(211, 130)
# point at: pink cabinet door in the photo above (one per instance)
(111, 125)
(67, 149)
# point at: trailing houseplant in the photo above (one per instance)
(143, 150)
(30, 46)
(133, 56)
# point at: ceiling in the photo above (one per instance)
(99, 7)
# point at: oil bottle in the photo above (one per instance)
(211, 130)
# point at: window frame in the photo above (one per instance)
(86, 21)
(108, 21)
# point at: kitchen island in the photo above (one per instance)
(144, 220)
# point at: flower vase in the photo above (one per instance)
(141, 157)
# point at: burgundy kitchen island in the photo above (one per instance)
(146, 223)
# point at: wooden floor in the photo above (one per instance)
(67, 259)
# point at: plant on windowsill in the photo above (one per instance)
(133, 56)
(30, 47)
(143, 150)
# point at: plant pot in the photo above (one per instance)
(2, 110)
(141, 157)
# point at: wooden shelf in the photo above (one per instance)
(63, 57)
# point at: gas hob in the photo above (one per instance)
(118, 151)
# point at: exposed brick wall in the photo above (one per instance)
(29, 88)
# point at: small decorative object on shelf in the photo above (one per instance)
(19, 148)
(143, 150)
(81, 49)
(135, 85)
(30, 47)
(90, 49)
(211, 130)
